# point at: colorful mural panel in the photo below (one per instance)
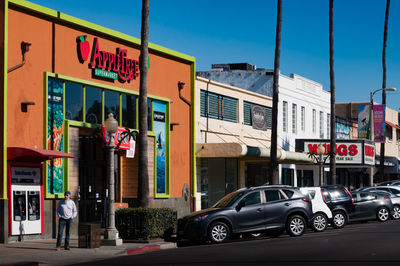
(159, 129)
(55, 136)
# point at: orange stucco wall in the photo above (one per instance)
(27, 84)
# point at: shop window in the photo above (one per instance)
(247, 114)
(398, 135)
(73, 101)
(287, 176)
(149, 115)
(93, 105)
(129, 111)
(111, 104)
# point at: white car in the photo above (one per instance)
(322, 213)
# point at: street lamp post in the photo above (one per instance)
(111, 237)
(371, 129)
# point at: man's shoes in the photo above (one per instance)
(57, 248)
(66, 248)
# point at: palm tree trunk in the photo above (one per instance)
(332, 154)
(382, 156)
(143, 192)
(274, 173)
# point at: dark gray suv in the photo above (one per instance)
(258, 209)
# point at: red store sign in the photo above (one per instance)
(117, 138)
(346, 153)
(106, 64)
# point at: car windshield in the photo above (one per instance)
(229, 199)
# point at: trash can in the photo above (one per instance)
(89, 235)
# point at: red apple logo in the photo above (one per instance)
(83, 47)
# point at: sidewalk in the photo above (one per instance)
(42, 252)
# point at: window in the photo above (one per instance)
(314, 120)
(294, 118)
(247, 114)
(288, 193)
(321, 125)
(398, 135)
(129, 111)
(366, 197)
(149, 115)
(217, 106)
(73, 101)
(273, 195)
(389, 133)
(111, 104)
(284, 116)
(93, 105)
(252, 198)
(328, 126)
(303, 117)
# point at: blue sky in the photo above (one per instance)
(244, 31)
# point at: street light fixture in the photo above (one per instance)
(320, 160)
(371, 124)
(111, 233)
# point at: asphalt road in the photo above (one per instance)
(369, 243)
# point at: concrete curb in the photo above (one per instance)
(139, 250)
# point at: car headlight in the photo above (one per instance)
(200, 218)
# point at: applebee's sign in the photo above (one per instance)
(106, 64)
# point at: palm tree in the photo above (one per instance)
(274, 173)
(332, 154)
(143, 193)
(382, 156)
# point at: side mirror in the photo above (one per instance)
(240, 205)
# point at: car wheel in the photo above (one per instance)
(319, 222)
(295, 225)
(382, 214)
(218, 232)
(396, 212)
(339, 220)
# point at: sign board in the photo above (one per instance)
(124, 145)
(379, 123)
(258, 117)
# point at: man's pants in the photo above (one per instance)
(63, 223)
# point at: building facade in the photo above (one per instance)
(62, 76)
(233, 140)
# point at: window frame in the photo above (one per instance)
(294, 118)
(285, 116)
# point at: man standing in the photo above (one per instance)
(66, 211)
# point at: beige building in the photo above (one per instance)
(233, 139)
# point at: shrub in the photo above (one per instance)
(145, 223)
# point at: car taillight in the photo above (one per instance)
(352, 200)
(306, 200)
(386, 198)
(323, 196)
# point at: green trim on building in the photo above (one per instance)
(58, 16)
(193, 126)
(5, 165)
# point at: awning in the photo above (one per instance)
(19, 154)
(237, 150)
(392, 125)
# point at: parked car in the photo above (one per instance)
(370, 206)
(340, 202)
(395, 200)
(392, 189)
(249, 210)
(390, 183)
(321, 211)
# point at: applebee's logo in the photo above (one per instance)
(106, 64)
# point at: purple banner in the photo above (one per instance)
(379, 123)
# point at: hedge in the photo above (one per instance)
(145, 223)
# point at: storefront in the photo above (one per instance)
(62, 77)
(355, 159)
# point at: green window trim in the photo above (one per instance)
(68, 123)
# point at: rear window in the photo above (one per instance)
(338, 193)
(288, 193)
(395, 191)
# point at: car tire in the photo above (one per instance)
(319, 222)
(218, 232)
(382, 214)
(396, 212)
(338, 219)
(295, 225)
